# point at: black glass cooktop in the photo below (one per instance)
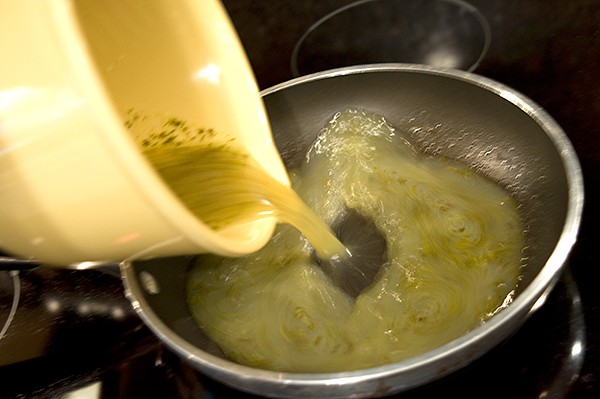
(73, 334)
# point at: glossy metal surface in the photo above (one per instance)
(368, 250)
(473, 119)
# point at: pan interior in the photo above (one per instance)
(444, 116)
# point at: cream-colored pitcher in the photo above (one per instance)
(74, 186)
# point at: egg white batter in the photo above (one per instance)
(454, 242)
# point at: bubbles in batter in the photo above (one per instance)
(454, 242)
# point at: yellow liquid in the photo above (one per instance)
(221, 185)
(454, 242)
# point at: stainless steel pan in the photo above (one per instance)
(460, 115)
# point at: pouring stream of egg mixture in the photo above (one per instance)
(453, 240)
